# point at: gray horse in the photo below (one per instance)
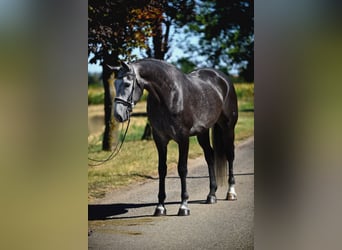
(179, 106)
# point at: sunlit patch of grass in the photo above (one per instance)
(245, 126)
(95, 95)
(244, 90)
(245, 95)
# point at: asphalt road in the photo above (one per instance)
(123, 219)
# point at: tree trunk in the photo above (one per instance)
(248, 73)
(147, 132)
(110, 136)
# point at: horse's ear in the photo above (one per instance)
(125, 65)
(113, 68)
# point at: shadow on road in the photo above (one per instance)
(109, 211)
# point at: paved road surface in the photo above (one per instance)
(122, 220)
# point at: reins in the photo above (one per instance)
(114, 152)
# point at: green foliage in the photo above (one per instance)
(185, 65)
(112, 31)
(115, 28)
(94, 79)
(244, 90)
(94, 99)
(173, 13)
(226, 31)
(135, 133)
(225, 28)
(95, 95)
(245, 95)
(144, 96)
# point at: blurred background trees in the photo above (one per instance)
(226, 35)
(224, 32)
(112, 33)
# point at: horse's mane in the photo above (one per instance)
(160, 67)
(163, 78)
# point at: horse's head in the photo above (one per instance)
(128, 92)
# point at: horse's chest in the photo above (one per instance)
(163, 121)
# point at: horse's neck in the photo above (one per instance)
(161, 83)
(152, 73)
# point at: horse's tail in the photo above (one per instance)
(220, 156)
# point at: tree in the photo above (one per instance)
(94, 79)
(112, 33)
(161, 15)
(185, 65)
(226, 30)
(176, 13)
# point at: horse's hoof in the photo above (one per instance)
(231, 197)
(211, 199)
(183, 212)
(160, 211)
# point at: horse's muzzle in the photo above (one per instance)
(121, 112)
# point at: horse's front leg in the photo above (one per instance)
(183, 171)
(162, 170)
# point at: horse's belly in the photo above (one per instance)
(197, 130)
(199, 127)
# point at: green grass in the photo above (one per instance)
(95, 95)
(137, 160)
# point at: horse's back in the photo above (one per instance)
(215, 79)
(210, 78)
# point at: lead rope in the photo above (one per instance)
(114, 152)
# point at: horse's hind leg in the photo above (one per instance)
(183, 147)
(162, 170)
(229, 146)
(203, 140)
